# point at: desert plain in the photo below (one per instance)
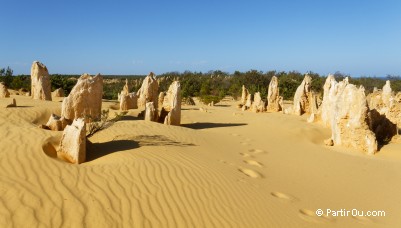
(222, 167)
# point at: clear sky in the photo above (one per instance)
(358, 37)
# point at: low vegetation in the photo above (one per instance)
(96, 125)
(210, 86)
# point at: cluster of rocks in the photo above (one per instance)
(169, 107)
(348, 118)
(355, 120)
(255, 102)
(83, 105)
(160, 107)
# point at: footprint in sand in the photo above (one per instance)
(245, 144)
(310, 216)
(245, 155)
(226, 162)
(254, 163)
(250, 173)
(235, 134)
(256, 151)
(283, 196)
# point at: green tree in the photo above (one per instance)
(7, 76)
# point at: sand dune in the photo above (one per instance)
(221, 168)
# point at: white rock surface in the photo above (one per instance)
(40, 82)
(73, 142)
(85, 99)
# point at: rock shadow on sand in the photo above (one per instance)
(97, 150)
(205, 125)
(153, 140)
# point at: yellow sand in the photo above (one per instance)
(222, 168)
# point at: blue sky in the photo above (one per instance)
(361, 38)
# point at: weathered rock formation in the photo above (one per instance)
(160, 99)
(273, 96)
(56, 123)
(349, 118)
(150, 112)
(248, 102)
(73, 142)
(328, 99)
(85, 99)
(126, 88)
(174, 104)
(258, 105)
(387, 93)
(128, 101)
(4, 91)
(385, 104)
(58, 93)
(40, 82)
(303, 96)
(149, 91)
(244, 96)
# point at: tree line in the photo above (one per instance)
(209, 86)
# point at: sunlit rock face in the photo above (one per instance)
(149, 91)
(3, 91)
(40, 82)
(349, 118)
(258, 105)
(85, 99)
(73, 142)
(302, 97)
(273, 96)
(174, 104)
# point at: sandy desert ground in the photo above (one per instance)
(221, 168)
